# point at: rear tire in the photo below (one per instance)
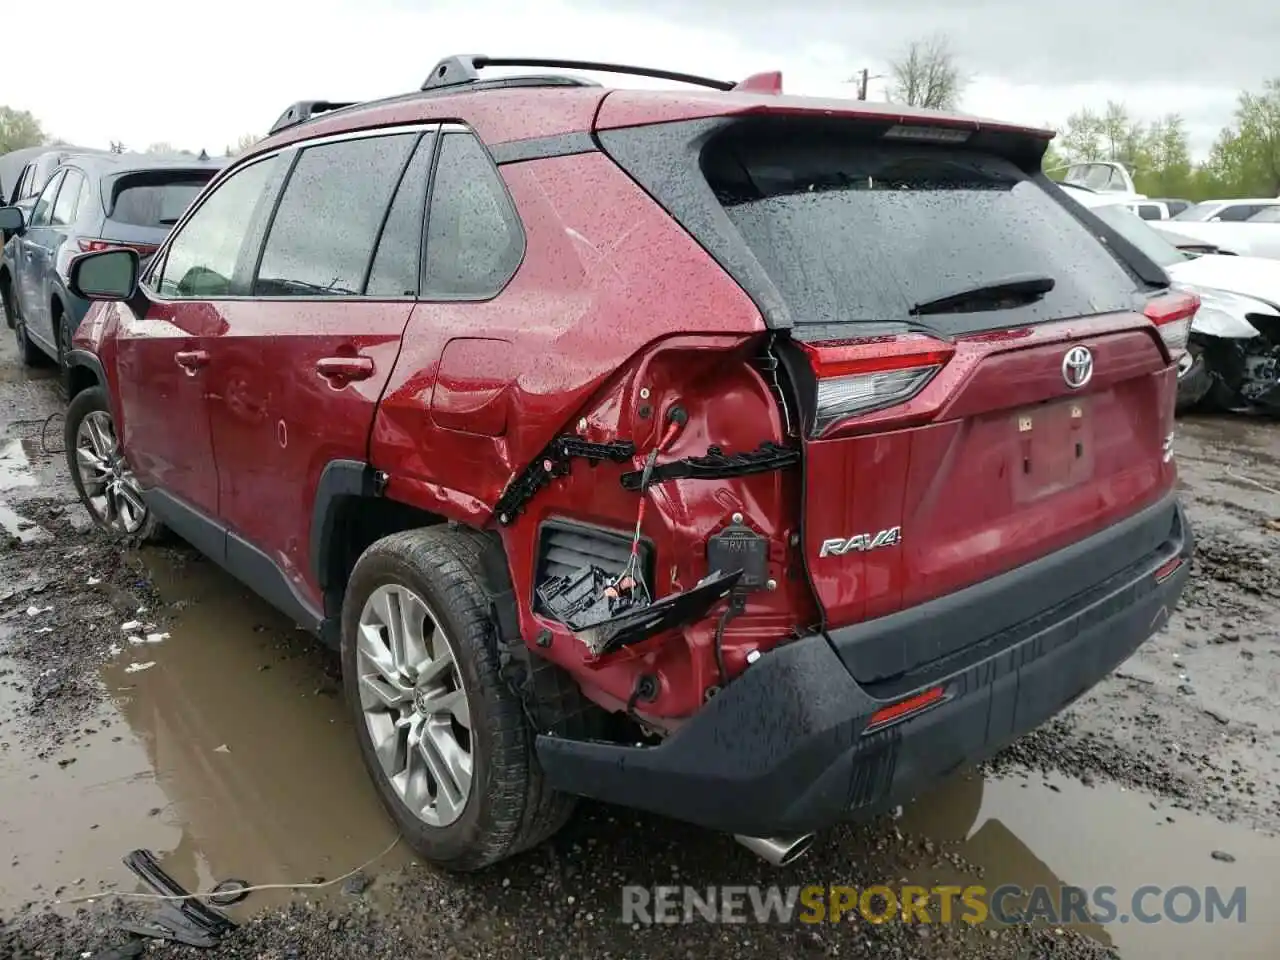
(417, 635)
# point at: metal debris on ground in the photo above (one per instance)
(184, 919)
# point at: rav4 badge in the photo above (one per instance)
(861, 542)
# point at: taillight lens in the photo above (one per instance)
(93, 246)
(1172, 314)
(855, 377)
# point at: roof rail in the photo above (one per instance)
(304, 110)
(465, 68)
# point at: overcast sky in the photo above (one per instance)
(200, 75)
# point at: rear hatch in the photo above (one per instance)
(142, 206)
(979, 384)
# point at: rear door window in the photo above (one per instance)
(322, 236)
(68, 202)
(865, 233)
(398, 260)
(155, 199)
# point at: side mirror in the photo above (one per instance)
(105, 275)
(12, 220)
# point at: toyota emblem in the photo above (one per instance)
(1077, 367)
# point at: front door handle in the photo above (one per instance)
(340, 371)
(191, 360)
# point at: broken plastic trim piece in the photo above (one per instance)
(718, 465)
(640, 623)
(185, 920)
(555, 462)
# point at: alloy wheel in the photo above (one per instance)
(415, 706)
(110, 489)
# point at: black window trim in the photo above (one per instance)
(424, 296)
(289, 153)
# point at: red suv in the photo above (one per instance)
(753, 460)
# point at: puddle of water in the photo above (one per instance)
(254, 773)
(1052, 831)
(15, 467)
(16, 525)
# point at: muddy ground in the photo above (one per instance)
(148, 701)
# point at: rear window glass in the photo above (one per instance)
(867, 232)
(155, 200)
(1145, 238)
(1198, 211)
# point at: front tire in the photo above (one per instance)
(101, 475)
(6, 303)
(441, 733)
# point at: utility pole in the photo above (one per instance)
(861, 78)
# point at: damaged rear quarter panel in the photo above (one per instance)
(612, 296)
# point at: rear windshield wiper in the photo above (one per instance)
(1024, 288)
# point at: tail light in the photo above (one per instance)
(1172, 314)
(860, 376)
(94, 246)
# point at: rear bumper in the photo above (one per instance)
(782, 749)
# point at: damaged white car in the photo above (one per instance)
(1233, 354)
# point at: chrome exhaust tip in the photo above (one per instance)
(779, 851)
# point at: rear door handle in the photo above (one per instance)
(191, 360)
(342, 370)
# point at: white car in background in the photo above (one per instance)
(1233, 353)
(1247, 228)
(1227, 211)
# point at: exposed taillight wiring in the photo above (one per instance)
(631, 578)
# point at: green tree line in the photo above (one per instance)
(1243, 162)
